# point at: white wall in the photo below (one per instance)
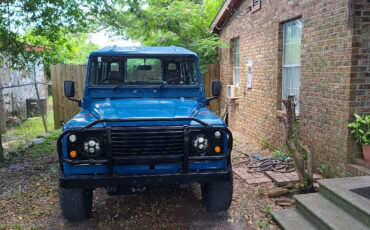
(15, 98)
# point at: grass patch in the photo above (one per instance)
(47, 147)
(16, 139)
(31, 127)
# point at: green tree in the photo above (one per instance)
(67, 49)
(169, 22)
(50, 19)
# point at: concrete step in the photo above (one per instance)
(324, 214)
(291, 219)
(338, 191)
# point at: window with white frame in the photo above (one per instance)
(292, 32)
(236, 61)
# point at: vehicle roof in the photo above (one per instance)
(142, 50)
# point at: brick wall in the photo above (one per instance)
(332, 85)
(360, 78)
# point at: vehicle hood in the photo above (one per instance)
(143, 108)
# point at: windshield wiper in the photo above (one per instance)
(163, 83)
(130, 83)
(117, 86)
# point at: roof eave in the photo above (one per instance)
(224, 14)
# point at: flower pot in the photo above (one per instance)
(366, 152)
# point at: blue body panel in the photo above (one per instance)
(105, 102)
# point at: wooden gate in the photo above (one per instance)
(65, 109)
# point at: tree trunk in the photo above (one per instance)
(299, 153)
(2, 120)
(1, 150)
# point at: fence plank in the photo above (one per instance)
(54, 93)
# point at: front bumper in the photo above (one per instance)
(94, 181)
(111, 178)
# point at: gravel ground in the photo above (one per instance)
(29, 200)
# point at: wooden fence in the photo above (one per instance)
(65, 109)
(213, 73)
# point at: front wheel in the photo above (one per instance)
(75, 203)
(217, 196)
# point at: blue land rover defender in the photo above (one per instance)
(143, 122)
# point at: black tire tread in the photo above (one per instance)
(75, 203)
(217, 196)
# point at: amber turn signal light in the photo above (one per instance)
(217, 149)
(73, 154)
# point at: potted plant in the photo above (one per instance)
(360, 129)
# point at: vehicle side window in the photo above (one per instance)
(171, 66)
(114, 66)
(195, 73)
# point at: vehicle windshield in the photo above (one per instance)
(120, 70)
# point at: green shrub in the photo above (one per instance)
(282, 155)
(360, 128)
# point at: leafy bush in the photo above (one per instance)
(282, 155)
(360, 128)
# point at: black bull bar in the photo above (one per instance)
(110, 161)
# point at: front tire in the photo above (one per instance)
(75, 203)
(217, 196)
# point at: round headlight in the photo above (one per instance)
(217, 134)
(92, 143)
(91, 146)
(201, 143)
(72, 138)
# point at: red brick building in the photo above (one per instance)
(316, 50)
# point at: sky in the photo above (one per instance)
(104, 39)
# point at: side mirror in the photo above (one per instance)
(216, 88)
(216, 91)
(69, 91)
(69, 88)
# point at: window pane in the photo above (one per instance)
(292, 54)
(291, 59)
(143, 69)
(114, 66)
(292, 42)
(236, 61)
(235, 75)
(290, 84)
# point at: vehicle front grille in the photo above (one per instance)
(136, 141)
